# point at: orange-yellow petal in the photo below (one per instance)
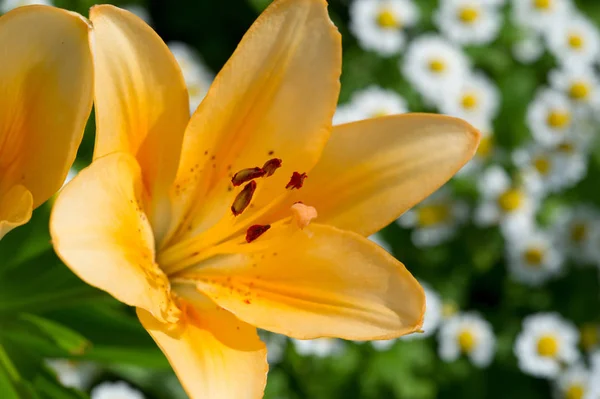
(215, 355)
(274, 98)
(319, 281)
(140, 98)
(45, 97)
(373, 171)
(101, 232)
(16, 207)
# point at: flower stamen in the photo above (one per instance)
(256, 231)
(271, 166)
(243, 199)
(245, 175)
(296, 181)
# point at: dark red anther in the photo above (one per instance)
(243, 199)
(256, 231)
(245, 175)
(271, 166)
(296, 181)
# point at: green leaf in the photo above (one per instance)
(64, 337)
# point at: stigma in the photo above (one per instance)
(303, 214)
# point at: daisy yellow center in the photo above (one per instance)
(576, 41)
(542, 4)
(466, 341)
(579, 91)
(469, 101)
(386, 19)
(575, 391)
(510, 200)
(486, 145)
(468, 15)
(533, 257)
(542, 165)
(436, 65)
(578, 232)
(589, 336)
(547, 346)
(558, 119)
(430, 215)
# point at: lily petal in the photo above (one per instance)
(320, 281)
(45, 97)
(140, 97)
(100, 231)
(215, 355)
(373, 171)
(274, 98)
(16, 207)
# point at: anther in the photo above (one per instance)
(245, 175)
(256, 231)
(243, 199)
(271, 166)
(296, 181)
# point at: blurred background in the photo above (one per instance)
(508, 251)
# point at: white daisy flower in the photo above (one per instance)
(573, 383)
(579, 83)
(435, 67)
(528, 49)
(468, 334)
(476, 100)
(545, 344)
(574, 41)
(533, 259)
(546, 170)
(372, 102)
(510, 205)
(436, 219)
(115, 390)
(549, 117)
(345, 113)
(197, 76)
(468, 21)
(379, 24)
(574, 227)
(7, 5)
(320, 347)
(539, 15)
(72, 374)
(595, 362)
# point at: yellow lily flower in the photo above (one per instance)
(45, 100)
(197, 222)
